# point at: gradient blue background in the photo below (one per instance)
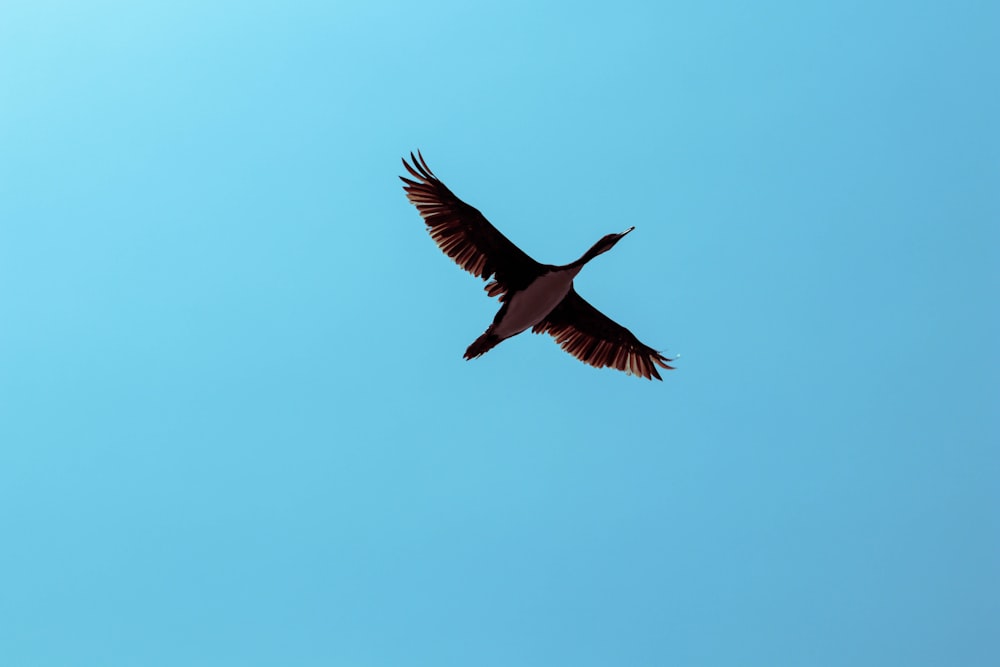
(236, 424)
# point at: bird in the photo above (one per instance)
(533, 295)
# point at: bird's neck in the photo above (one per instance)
(587, 256)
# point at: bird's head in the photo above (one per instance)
(605, 244)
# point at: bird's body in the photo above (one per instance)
(525, 308)
(528, 307)
(536, 296)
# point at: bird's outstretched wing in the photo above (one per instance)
(596, 339)
(465, 235)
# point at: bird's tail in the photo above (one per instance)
(483, 344)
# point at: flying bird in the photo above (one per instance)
(534, 295)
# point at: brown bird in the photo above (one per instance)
(534, 295)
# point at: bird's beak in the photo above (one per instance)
(627, 231)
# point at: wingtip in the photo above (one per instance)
(423, 163)
(418, 166)
(663, 362)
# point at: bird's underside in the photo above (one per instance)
(465, 235)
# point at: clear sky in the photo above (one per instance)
(236, 427)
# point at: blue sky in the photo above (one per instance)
(236, 427)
